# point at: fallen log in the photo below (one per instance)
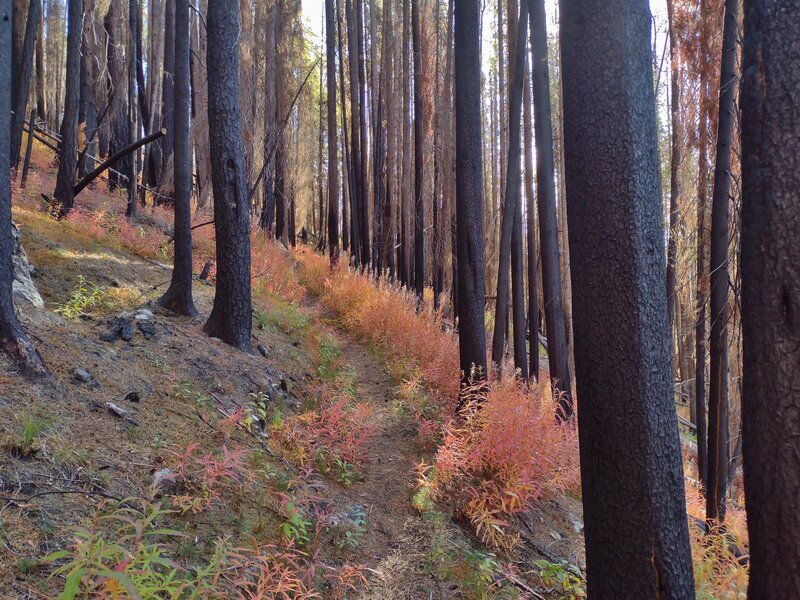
(79, 187)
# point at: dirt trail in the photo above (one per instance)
(397, 538)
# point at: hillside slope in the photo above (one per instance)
(291, 469)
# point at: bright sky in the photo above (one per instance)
(313, 11)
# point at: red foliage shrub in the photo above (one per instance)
(506, 453)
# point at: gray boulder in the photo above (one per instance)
(24, 290)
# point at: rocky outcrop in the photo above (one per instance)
(23, 288)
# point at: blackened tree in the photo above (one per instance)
(231, 317)
(267, 220)
(637, 539)
(21, 88)
(419, 141)
(333, 173)
(469, 191)
(168, 87)
(178, 296)
(771, 294)
(13, 339)
(718, 344)
(557, 350)
(68, 152)
(533, 262)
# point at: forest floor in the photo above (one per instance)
(234, 445)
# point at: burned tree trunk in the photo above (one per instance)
(771, 294)
(13, 340)
(22, 85)
(718, 451)
(469, 192)
(419, 139)
(178, 296)
(637, 539)
(68, 158)
(231, 316)
(333, 175)
(557, 352)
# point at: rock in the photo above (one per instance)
(143, 314)
(262, 350)
(22, 286)
(147, 328)
(121, 413)
(126, 330)
(132, 396)
(113, 333)
(165, 482)
(82, 375)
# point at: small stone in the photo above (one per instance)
(82, 375)
(132, 396)
(126, 330)
(144, 314)
(262, 350)
(164, 482)
(147, 328)
(121, 413)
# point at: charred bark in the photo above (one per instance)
(231, 316)
(631, 472)
(771, 294)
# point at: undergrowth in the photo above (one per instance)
(125, 551)
(487, 467)
(501, 458)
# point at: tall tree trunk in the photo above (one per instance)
(333, 175)
(631, 473)
(469, 192)
(702, 296)
(533, 263)
(557, 352)
(18, 26)
(168, 88)
(771, 294)
(200, 113)
(281, 81)
(87, 114)
(676, 142)
(355, 134)
(133, 118)
(270, 121)
(231, 316)
(511, 228)
(347, 165)
(388, 74)
(419, 142)
(363, 127)
(405, 209)
(178, 297)
(68, 155)
(154, 90)
(13, 340)
(718, 450)
(247, 85)
(22, 85)
(41, 96)
(119, 136)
